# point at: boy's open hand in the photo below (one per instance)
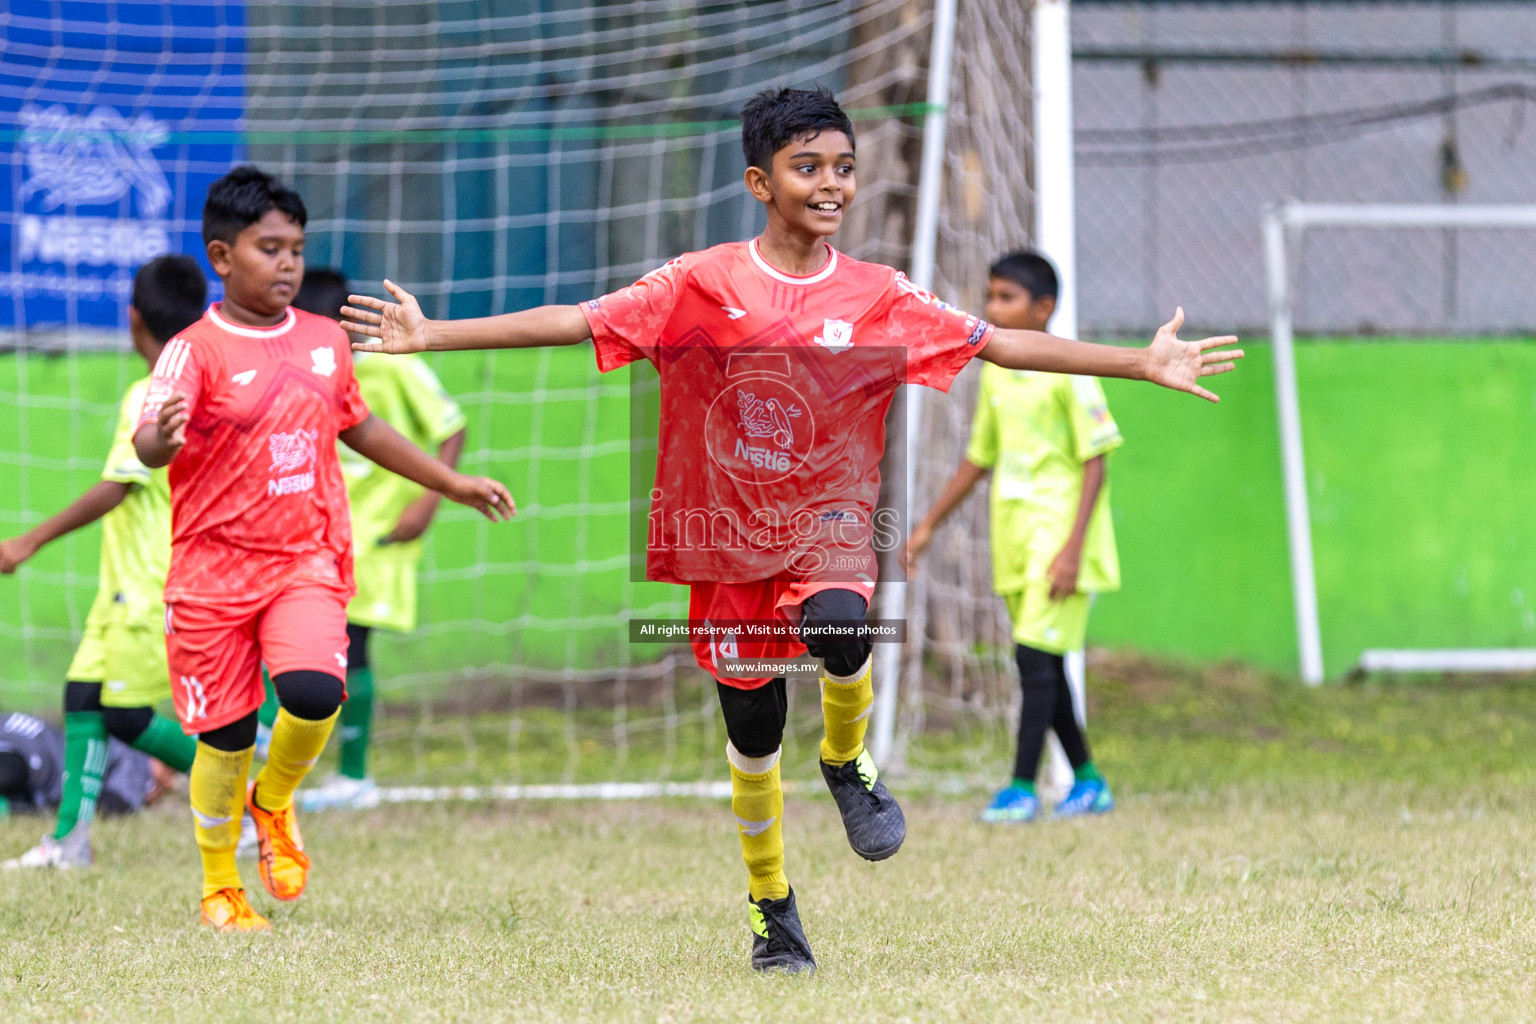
(488, 497)
(400, 326)
(1180, 364)
(13, 552)
(172, 423)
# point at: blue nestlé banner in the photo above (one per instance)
(114, 119)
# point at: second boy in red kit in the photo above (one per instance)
(246, 406)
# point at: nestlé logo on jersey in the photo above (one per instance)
(759, 429)
(293, 461)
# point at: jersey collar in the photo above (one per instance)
(254, 332)
(779, 275)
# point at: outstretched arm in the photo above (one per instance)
(401, 327)
(967, 475)
(84, 510)
(1167, 361)
(374, 439)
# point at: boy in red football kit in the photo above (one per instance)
(246, 406)
(778, 359)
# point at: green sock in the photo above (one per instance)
(357, 723)
(1027, 785)
(164, 741)
(85, 762)
(1087, 773)
(267, 713)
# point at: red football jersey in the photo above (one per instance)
(257, 497)
(773, 397)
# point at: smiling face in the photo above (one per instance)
(811, 185)
(263, 268)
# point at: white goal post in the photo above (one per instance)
(1055, 235)
(1284, 224)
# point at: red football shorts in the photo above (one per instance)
(760, 601)
(215, 653)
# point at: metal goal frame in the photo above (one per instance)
(1284, 225)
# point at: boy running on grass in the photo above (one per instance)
(118, 674)
(1047, 436)
(778, 359)
(246, 406)
(389, 516)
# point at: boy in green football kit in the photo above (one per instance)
(119, 672)
(389, 516)
(1045, 438)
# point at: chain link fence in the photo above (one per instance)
(1191, 117)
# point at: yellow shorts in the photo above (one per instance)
(1046, 625)
(128, 661)
(386, 594)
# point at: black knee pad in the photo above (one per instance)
(754, 719)
(81, 697)
(840, 656)
(357, 646)
(127, 724)
(236, 736)
(309, 694)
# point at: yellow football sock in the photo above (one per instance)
(296, 745)
(845, 705)
(217, 781)
(757, 800)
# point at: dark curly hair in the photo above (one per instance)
(774, 118)
(1030, 271)
(241, 198)
(169, 292)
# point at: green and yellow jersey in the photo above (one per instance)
(124, 643)
(135, 536)
(405, 393)
(1035, 431)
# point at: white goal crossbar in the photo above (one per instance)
(1513, 659)
(1284, 224)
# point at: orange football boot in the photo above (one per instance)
(228, 911)
(283, 864)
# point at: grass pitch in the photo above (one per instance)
(1358, 853)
